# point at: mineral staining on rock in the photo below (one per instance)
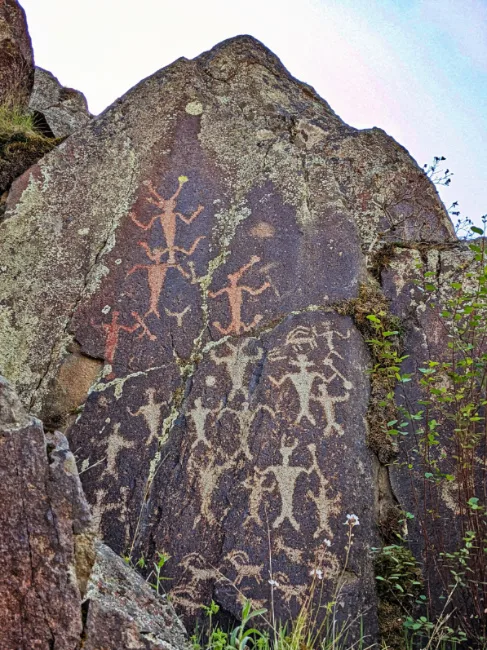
(207, 231)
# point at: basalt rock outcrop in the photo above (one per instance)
(58, 586)
(59, 111)
(16, 55)
(177, 289)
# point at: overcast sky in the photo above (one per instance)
(416, 68)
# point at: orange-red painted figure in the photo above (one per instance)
(168, 218)
(156, 273)
(235, 299)
(112, 331)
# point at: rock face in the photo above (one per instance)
(122, 611)
(51, 568)
(63, 110)
(209, 234)
(43, 512)
(16, 56)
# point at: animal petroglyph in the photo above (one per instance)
(287, 590)
(197, 567)
(241, 563)
(168, 217)
(156, 275)
(235, 293)
(112, 331)
(188, 594)
(236, 364)
(151, 412)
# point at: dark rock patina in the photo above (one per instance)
(207, 232)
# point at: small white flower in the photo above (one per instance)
(273, 583)
(317, 572)
(327, 542)
(352, 520)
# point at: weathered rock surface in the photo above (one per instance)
(57, 585)
(123, 611)
(16, 56)
(208, 233)
(43, 514)
(62, 110)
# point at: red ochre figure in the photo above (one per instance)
(235, 299)
(112, 331)
(168, 218)
(156, 273)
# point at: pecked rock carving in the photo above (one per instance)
(208, 232)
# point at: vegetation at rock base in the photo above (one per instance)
(21, 142)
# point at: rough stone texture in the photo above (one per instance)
(123, 611)
(43, 511)
(207, 231)
(49, 562)
(63, 110)
(424, 340)
(16, 56)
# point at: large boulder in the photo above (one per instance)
(60, 589)
(59, 111)
(177, 290)
(16, 55)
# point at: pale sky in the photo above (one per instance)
(415, 68)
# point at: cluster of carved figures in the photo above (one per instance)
(302, 398)
(302, 383)
(160, 260)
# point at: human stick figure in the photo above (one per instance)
(235, 299)
(168, 217)
(156, 275)
(112, 332)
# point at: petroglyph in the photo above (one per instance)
(310, 381)
(156, 275)
(293, 554)
(209, 477)
(178, 315)
(325, 505)
(194, 564)
(168, 217)
(188, 593)
(241, 563)
(115, 444)
(303, 381)
(235, 300)
(236, 364)
(327, 403)
(286, 476)
(199, 414)
(112, 331)
(287, 590)
(245, 416)
(151, 412)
